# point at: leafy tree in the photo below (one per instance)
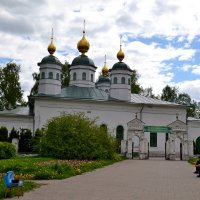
(36, 78)
(13, 134)
(135, 87)
(74, 136)
(3, 134)
(169, 94)
(10, 89)
(185, 99)
(65, 77)
(25, 144)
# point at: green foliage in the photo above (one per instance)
(74, 136)
(3, 134)
(7, 150)
(35, 141)
(65, 77)
(28, 185)
(27, 168)
(36, 78)
(135, 87)
(10, 89)
(169, 94)
(25, 141)
(13, 134)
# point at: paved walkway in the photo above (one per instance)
(153, 179)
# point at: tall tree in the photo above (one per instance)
(185, 99)
(169, 93)
(36, 78)
(65, 77)
(135, 87)
(10, 89)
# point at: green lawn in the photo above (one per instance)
(38, 168)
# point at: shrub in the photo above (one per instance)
(3, 134)
(36, 140)
(13, 134)
(74, 136)
(25, 144)
(7, 150)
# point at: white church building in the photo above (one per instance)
(145, 126)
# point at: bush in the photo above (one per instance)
(25, 144)
(36, 140)
(3, 134)
(13, 134)
(7, 150)
(74, 136)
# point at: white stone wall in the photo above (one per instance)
(17, 122)
(193, 129)
(110, 113)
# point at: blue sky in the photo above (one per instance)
(161, 39)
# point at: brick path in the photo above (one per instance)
(154, 179)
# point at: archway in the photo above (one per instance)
(178, 148)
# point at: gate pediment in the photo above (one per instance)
(135, 124)
(178, 125)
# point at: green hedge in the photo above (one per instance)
(7, 150)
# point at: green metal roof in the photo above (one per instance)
(121, 66)
(74, 92)
(103, 79)
(50, 59)
(83, 60)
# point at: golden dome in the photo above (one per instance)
(51, 48)
(105, 69)
(120, 54)
(83, 45)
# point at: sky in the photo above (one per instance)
(160, 39)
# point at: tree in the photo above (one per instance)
(36, 78)
(65, 77)
(185, 99)
(135, 87)
(10, 89)
(74, 136)
(169, 94)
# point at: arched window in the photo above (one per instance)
(123, 80)
(120, 133)
(43, 75)
(57, 76)
(92, 78)
(129, 81)
(115, 80)
(83, 76)
(74, 76)
(50, 75)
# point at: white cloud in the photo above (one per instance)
(26, 30)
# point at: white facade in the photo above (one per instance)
(82, 76)
(50, 79)
(120, 85)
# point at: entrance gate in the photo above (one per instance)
(177, 129)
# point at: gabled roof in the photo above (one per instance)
(19, 111)
(137, 98)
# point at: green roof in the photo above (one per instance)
(121, 66)
(83, 60)
(50, 59)
(74, 92)
(103, 79)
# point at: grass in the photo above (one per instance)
(39, 168)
